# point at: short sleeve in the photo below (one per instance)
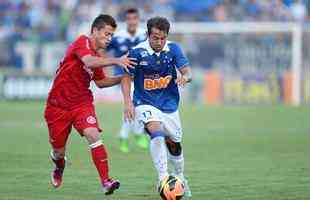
(98, 74)
(133, 54)
(180, 58)
(82, 47)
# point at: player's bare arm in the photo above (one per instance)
(128, 105)
(108, 81)
(95, 62)
(186, 76)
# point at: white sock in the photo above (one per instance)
(159, 156)
(125, 129)
(177, 164)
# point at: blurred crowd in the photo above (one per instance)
(57, 19)
(41, 21)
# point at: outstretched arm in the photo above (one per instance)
(95, 61)
(82, 49)
(108, 81)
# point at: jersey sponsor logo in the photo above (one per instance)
(159, 83)
(91, 120)
(143, 63)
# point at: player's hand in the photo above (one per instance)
(129, 112)
(126, 62)
(182, 80)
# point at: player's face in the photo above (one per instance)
(157, 39)
(132, 21)
(103, 36)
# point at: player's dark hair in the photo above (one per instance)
(160, 23)
(102, 20)
(131, 11)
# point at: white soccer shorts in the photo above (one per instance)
(171, 123)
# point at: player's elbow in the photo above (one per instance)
(126, 79)
(91, 64)
(108, 82)
(101, 85)
(90, 61)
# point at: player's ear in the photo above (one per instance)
(95, 30)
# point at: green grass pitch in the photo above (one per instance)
(231, 152)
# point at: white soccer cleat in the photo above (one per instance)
(187, 190)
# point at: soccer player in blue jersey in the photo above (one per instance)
(156, 96)
(122, 41)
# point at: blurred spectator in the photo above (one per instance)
(277, 11)
(50, 20)
(298, 10)
(253, 9)
(220, 13)
(62, 20)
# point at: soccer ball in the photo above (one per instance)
(171, 188)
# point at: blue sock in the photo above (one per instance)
(155, 134)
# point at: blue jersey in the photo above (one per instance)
(121, 43)
(155, 75)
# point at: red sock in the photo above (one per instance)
(100, 159)
(60, 164)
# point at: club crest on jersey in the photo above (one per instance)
(158, 83)
(143, 63)
(91, 120)
(144, 54)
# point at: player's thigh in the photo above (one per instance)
(85, 117)
(172, 126)
(59, 126)
(137, 127)
(147, 113)
(150, 117)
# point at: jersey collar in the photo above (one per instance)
(149, 49)
(89, 43)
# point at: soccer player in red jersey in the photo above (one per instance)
(70, 102)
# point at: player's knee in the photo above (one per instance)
(154, 130)
(152, 127)
(174, 148)
(92, 135)
(58, 153)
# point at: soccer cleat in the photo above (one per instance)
(110, 185)
(56, 177)
(124, 146)
(142, 141)
(187, 190)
